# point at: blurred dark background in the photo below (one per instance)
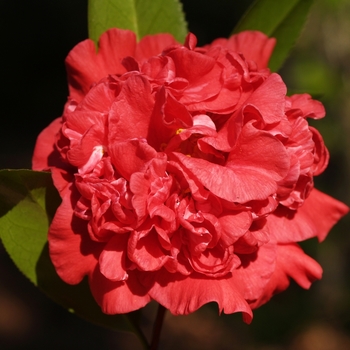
(36, 37)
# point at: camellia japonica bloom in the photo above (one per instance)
(186, 174)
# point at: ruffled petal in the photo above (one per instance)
(153, 45)
(145, 250)
(315, 218)
(183, 295)
(251, 173)
(309, 108)
(321, 154)
(267, 101)
(254, 45)
(85, 66)
(291, 262)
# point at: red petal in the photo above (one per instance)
(62, 180)
(268, 100)
(88, 151)
(315, 218)
(85, 66)
(321, 154)
(72, 252)
(291, 262)
(192, 65)
(256, 271)
(234, 226)
(45, 146)
(118, 297)
(168, 116)
(183, 295)
(147, 252)
(224, 102)
(202, 72)
(112, 258)
(255, 164)
(254, 45)
(153, 45)
(130, 114)
(310, 108)
(100, 97)
(81, 121)
(130, 157)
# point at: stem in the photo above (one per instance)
(157, 327)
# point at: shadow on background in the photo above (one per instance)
(36, 37)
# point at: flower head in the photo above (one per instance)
(186, 174)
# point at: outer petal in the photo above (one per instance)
(153, 45)
(183, 295)
(85, 66)
(254, 45)
(256, 271)
(47, 157)
(321, 155)
(62, 179)
(72, 252)
(315, 218)
(118, 297)
(45, 146)
(291, 262)
(310, 108)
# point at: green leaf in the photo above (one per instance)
(28, 201)
(141, 16)
(25, 216)
(283, 20)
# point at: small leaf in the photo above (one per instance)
(282, 20)
(28, 201)
(141, 16)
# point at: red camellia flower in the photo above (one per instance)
(186, 174)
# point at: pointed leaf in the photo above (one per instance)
(141, 16)
(28, 201)
(282, 20)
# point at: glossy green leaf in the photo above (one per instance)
(283, 20)
(141, 16)
(28, 201)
